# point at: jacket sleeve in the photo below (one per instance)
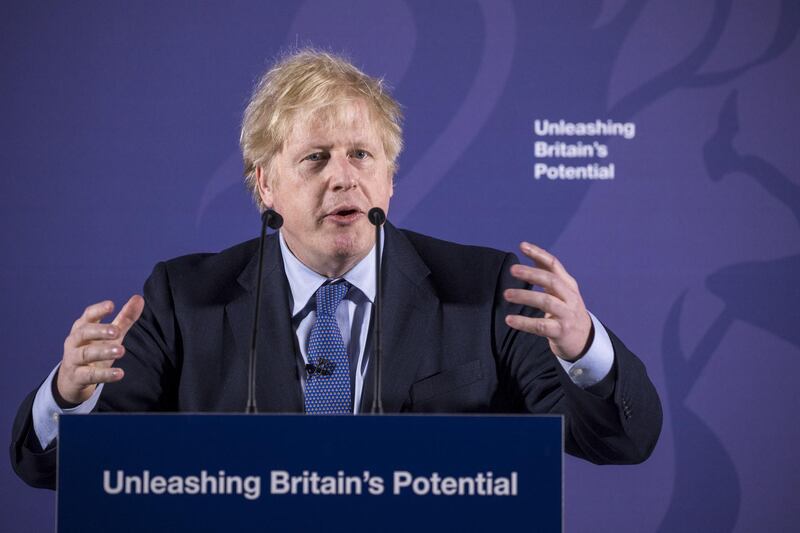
(34, 466)
(616, 421)
(149, 365)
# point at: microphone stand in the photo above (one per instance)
(377, 217)
(275, 221)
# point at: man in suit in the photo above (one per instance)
(464, 331)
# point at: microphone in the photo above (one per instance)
(324, 367)
(377, 217)
(275, 221)
(272, 219)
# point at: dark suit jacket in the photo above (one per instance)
(446, 349)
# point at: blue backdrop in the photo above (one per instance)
(119, 126)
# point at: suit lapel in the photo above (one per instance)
(277, 382)
(410, 321)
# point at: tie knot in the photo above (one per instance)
(329, 296)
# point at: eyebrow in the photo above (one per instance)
(327, 147)
(316, 146)
(305, 149)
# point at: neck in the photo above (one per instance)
(333, 268)
(328, 267)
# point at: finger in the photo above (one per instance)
(105, 353)
(539, 300)
(91, 332)
(544, 327)
(549, 281)
(547, 261)
(94, 313)
(91, 375)
(129, 313)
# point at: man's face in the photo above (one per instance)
(324, 181)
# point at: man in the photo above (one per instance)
(464, 331)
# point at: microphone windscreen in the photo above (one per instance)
(274, 220)
(376, 216)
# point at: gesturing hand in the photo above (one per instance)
(566, 323)
(91, 348)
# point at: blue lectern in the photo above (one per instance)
(229, 472)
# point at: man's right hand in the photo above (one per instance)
(91, 348)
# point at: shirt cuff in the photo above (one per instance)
(596, 363)
(46, 411)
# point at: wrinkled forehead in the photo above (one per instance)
(346, 120)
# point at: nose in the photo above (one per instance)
(342, 175)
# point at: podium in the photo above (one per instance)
(286, 473)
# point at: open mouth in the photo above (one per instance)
(345, 215)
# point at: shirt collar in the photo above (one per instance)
(304, 282)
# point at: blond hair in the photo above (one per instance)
(309, 80)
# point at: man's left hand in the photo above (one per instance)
(566, 323)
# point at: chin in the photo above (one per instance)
(349, 245)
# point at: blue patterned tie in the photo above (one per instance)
(328, 382)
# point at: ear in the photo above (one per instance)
(264, 187)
